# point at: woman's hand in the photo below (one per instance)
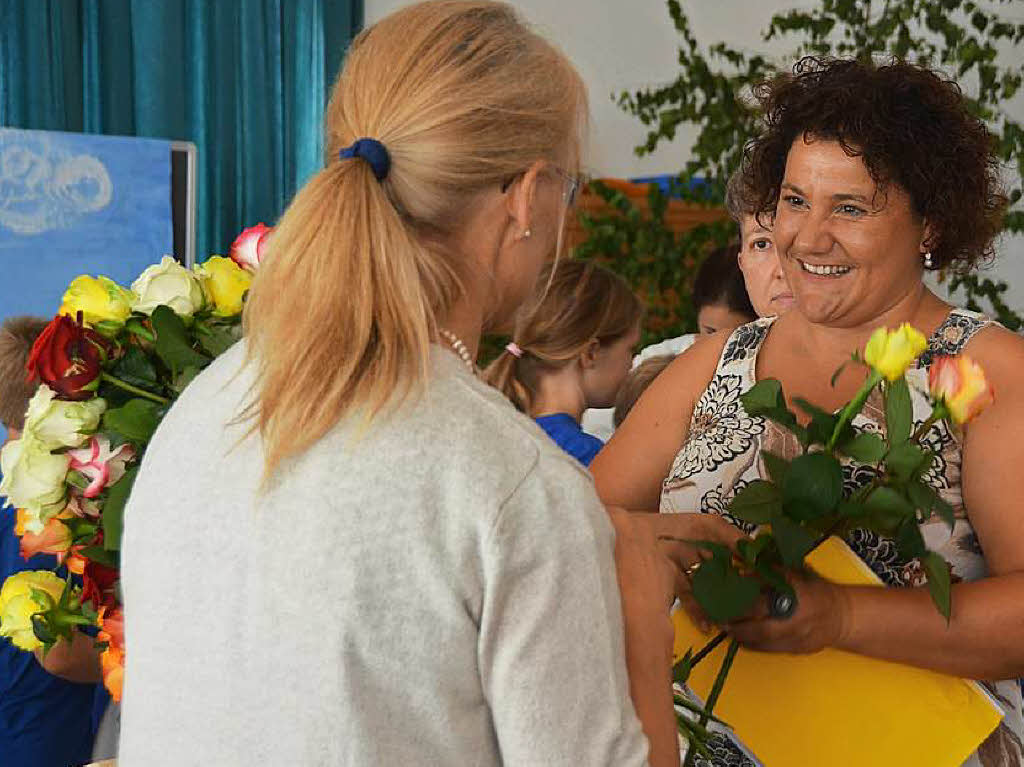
(675, 534)
(819, 620)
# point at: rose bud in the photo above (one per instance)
(248, 248)
(959, 382)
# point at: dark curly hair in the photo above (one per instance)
(909, 125)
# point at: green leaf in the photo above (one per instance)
(217, 340)
(777, 467)
(682, 668)
(172, 341)
(899, 412)
(909, 541)
(136, 368)
(757, 503)
(939, 585)
(903, 460)
(100, 555)
(765, 399)
(113, 509)
(886, 509)
(136, 420)
(793, 540)
(864, 447)
(750, 549)
(722, 592)
(813, 486)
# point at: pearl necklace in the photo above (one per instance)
(459, 348)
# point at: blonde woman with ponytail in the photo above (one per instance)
(571, 350)
(343, 547)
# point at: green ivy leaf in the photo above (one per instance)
(113, 509)
(939, 585)
(899, 412)
(813, 486)
(136, 420)
(172, 341)
(864, 447)
(757, 503)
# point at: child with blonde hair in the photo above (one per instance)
(571, 349)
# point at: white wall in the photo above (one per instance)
(627, 44)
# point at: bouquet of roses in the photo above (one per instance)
(109, 365)
(803, 501)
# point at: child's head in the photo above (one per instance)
(719, 293)
(584, 316)
(636, 383)
(17, 335)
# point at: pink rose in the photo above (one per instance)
(99, 464)
(248, 248)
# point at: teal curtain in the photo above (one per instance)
(246, 80)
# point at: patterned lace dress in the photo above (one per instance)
(722, 454)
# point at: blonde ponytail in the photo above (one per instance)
(343, 311)
(575, 303)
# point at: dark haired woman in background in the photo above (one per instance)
(719, 293)
(874, 174)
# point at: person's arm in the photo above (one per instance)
(982, 639)
(74, 661)
(555, 637)
(630, 469)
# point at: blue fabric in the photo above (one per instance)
(246, 80)
(44, 721)
(568, 435)
(373, 153)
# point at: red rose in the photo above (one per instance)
(98, 585)
(67, 357)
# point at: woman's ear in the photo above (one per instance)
(589, 356)
(928, 239)
(520, 199)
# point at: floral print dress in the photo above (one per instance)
(722, 455)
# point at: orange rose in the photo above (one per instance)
(112, 665)
(960, 383)
(54, 539)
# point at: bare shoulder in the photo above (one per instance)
(691, 371)
(1001, 353)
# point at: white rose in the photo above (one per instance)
(168, 284)
(57, 423)
(33, 479)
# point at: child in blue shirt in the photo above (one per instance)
(572, 347)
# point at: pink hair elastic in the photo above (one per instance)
(513, 349)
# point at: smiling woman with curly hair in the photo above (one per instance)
(872, 174)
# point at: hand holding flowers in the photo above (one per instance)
(109, 364)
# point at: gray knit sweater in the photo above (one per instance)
(437, 590)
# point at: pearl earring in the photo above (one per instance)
(526, 234)
(929, 262)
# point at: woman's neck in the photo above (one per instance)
(560, 391)
(921, 308)
(464, 321)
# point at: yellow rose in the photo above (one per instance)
(18, 605)
(100, 299)
(960, 382)
(225, 284)
(891, 352)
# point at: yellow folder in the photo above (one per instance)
(837, 709)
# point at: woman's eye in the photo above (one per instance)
(793, 200)
(761, 244)
(851, 210)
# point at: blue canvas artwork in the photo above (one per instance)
(72, 204)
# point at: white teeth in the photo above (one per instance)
(825, 271)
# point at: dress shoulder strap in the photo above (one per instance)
(740, 353)
(950, 338)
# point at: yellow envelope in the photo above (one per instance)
(839, 709)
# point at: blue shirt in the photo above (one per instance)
(44, 720)
(568, 435)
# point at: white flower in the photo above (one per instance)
(168, 284)
(57, 423)
(33, 479)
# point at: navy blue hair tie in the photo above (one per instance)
(373, 152)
